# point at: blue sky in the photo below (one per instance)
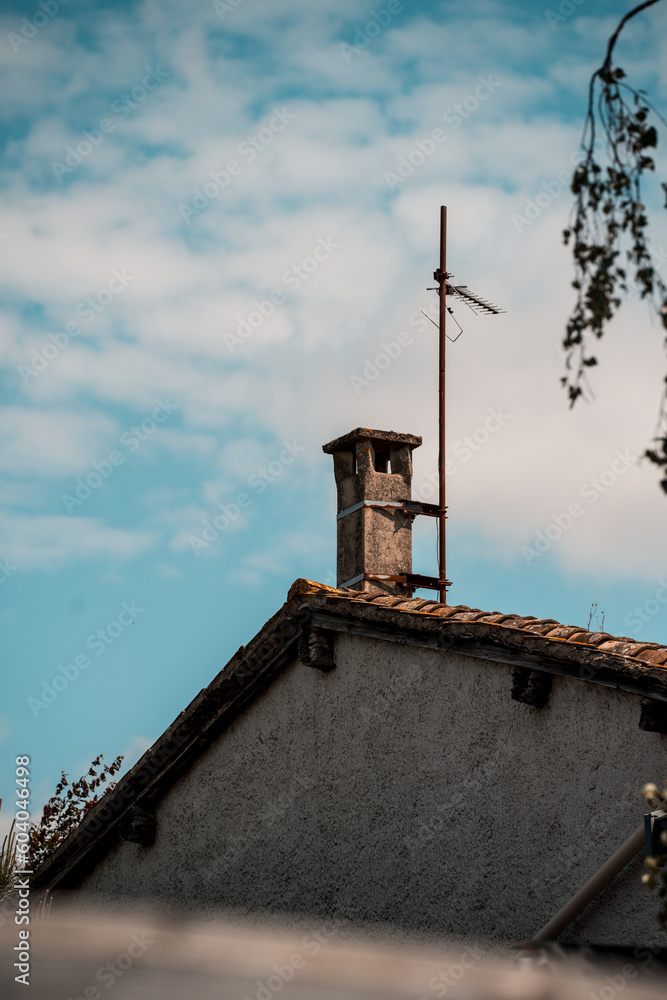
(206, 244)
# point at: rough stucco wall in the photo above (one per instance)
(407, 787)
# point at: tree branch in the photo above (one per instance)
(610, 220)
(619, 29)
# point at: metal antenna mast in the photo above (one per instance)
(441, 277)
(478, 305)
(415, 581)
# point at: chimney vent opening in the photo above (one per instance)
(382, 461)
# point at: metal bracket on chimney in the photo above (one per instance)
(316, 648)
(531, 687)
(413, 580)
(413, 507)
(139, 826)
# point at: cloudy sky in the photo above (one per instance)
(215, 218)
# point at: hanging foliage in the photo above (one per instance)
(609, 232)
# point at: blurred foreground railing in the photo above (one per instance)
(77, 957)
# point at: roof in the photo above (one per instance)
(312, 614)
(646, 652)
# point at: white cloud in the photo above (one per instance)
(254, 567)
(168, 572)
(44, 443)
(322, 176)
(46, 541)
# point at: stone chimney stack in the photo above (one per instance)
(373, 471)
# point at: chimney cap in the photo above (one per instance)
(366, 434)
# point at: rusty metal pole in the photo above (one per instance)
(592, 888)
(442, 280)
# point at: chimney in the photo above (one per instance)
(373, 471)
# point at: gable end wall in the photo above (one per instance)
(407, 787)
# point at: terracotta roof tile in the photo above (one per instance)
(590, 638)
(515, 622)
(419, 605)
(430, 605)
(564, 632)
(384, 600)
(444, 611)
(597, 638)
(540, 628)
(621, 646)
(656, 657)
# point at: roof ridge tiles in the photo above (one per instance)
(381, 599)
(500, 617)
(590, 637)
(597, 638)
(565, 631)
(656, 657)
(537, 628)
(651, 653)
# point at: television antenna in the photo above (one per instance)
(478, 305)
(415, 581)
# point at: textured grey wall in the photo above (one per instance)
(407, 787)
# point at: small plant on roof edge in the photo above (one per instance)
(8, 875)
(63, 813)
